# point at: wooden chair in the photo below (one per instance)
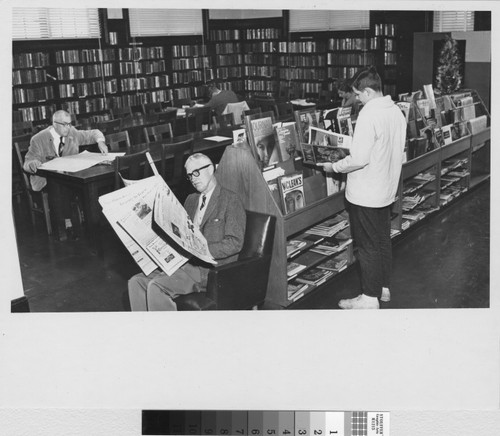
(237, 110)
(119, 141)
(197, 117)
(168, 117)
(22, 127)
(131, 167)
(179, 102)
(264, 103)
(38, 200)
(284, 111)
(109, 126)
(173, 156)
(253, 111)
(157, 133)
(121, 112)
(223, 121)
(241, 284)
(149, 108)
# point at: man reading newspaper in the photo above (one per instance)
(221, 218)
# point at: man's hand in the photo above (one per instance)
(327, 166)
(33, 165)
(103, 147)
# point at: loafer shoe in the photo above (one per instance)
(362, 301)
(386, 295)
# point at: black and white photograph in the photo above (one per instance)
(405, 306)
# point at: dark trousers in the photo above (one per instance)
(371, 233)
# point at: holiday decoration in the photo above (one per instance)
(449, 67)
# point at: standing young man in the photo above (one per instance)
(374, 169)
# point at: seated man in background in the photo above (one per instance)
(59, 139)
(220, 215)
(220, 98)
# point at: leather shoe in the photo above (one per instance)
(386, 295)
(362, 301)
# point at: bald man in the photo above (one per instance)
(220, 215)
(59, 139)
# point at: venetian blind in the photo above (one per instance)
(55, 23)
(320, 20)
(447, 21)
(161, 22)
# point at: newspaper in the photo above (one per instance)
(151, 216)
(78, 162)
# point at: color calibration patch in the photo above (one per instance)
(264, 423)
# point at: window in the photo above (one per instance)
(447, 21)
(163, 22)
(55, 23)
(320, 20)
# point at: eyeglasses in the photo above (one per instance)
(196, 173)
(63, 124)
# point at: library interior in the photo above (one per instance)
(103, 98)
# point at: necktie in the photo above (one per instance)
(61, 146)
(203, 199)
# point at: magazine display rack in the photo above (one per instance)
(433, 179)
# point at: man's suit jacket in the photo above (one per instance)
(42, 148)
(223, 224)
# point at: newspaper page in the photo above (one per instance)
(132, 207)
(78, 162)
(173, 219)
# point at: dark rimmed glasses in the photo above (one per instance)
(63, 124)
(196, 172)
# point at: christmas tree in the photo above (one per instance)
(448, 74)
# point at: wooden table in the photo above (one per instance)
(97, 180)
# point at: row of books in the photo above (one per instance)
(86, 106)
(143, 83)
(84, 56)
(227, 48)
(87, 88)
(74, 72)
(141, 98)
(22, 77)
(141, 53)
(37, 113)
(30, 60)
(140, 68)
(302, 74)
(259, 58)
(226, 60)
(28, 95)
(301, 61)
(262, 33)
(301, 47)
(191, 76)
(179, 51)
(350, 59)
(262, 70)
(340, 44)
(228, 73)
(261, 47)
(191, 63)
(261, 85)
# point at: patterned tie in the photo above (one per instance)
(203, 199)
(61, 146)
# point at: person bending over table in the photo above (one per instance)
(221, 217)
(59, 139)
(220, 98)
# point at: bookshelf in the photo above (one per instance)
(33, 93)
(384, 45)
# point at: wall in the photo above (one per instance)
(477, 70)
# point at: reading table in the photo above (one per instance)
(92, 182)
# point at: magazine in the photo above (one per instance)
(287, 139)
(292, 192)
(263, 141)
